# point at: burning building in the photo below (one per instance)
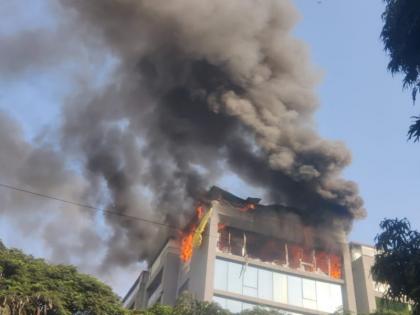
(241, 254)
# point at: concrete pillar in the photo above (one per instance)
(360, 286)
(202, 264)
(212, 237)
(349, 299)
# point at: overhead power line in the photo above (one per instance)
(87, 206)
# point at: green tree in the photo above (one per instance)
(187, 305)
(401, 37)
(32, 286)
(397, 262)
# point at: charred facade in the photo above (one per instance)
(279, 252)
(251, 255)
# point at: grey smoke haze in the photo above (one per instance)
(42, 169)
(201, 87)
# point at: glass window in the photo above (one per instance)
(329, 297)
(309, 294)
(251, 277)
(274, 286)
(294, 290)
(336, 297)
(323, 296)
(234, 278)
(250, 281)
(265, 284)
(308, 289)
(234, 306)
(220, 274)
(250, 291)
(310, 304)
(279, 288)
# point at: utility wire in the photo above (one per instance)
(90, 207)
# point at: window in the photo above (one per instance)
(265, 281)
(220, 274)
(329, 297)
(274, 286)
(323, 296)
(279, 288)
(336, 298)
(294, 290)
(250, 281)
(266, 249)
(309, 294)
(253, 245)
(308, 289)
(234, 283)
(236, 306)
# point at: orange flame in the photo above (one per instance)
(322, 261)
(295, 256)
(186, 249)
(186, 246)
(329, 264)
(335, 267)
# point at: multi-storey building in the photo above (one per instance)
(250, 255)
(369, 293)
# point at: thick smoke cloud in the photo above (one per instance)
(42, 169)
(204, 86)
(200, 87)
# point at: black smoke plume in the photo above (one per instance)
(200, 87)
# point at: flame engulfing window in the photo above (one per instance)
(335, 271)
(256, 246)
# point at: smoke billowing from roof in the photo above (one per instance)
(201, 87)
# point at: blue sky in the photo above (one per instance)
(364, 106)
(361, 104)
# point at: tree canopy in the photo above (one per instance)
(32, 286)
(401, 37)
(397, 262)
(186, 305)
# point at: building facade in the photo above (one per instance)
(253, 255)
(369, 293)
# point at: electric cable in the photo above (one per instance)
(93, 208)
(87, 206)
